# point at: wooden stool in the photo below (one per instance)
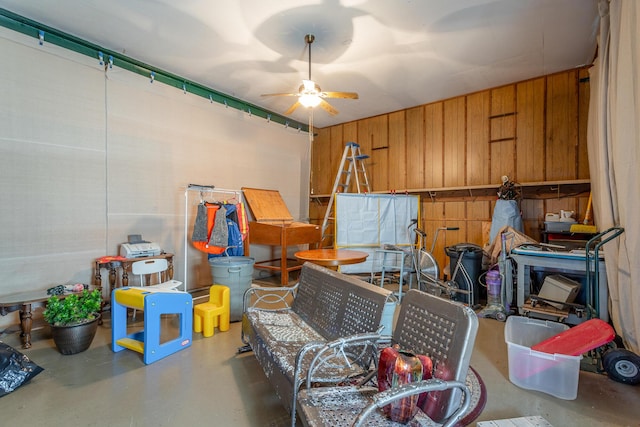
(215, 312)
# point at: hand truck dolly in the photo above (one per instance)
(596, 338)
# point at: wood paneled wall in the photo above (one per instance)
(532, 131)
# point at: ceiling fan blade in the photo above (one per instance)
(346, 95)
(292, 108)
(279, 94)
(327, 107)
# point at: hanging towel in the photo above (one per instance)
(220, 232)
(200, 226)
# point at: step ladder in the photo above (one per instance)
(351, 164)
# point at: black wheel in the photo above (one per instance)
(622, 366)
(501, 316)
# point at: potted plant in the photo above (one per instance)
(73, 319)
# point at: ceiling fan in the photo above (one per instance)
(310, 95)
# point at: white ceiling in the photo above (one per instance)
(395, 53)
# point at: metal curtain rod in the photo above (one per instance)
(108, 58)
(198, 187)
(211, 189)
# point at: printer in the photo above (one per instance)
(138, 248)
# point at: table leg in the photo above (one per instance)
(112, 277)
(25, 325)
(284, 278)
(97, 281)
(125, 277)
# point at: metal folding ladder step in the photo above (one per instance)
(351, 165)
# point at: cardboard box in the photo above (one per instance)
(559, 288)
(554, 374)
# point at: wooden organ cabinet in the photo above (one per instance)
(273, 225)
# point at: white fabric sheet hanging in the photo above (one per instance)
(365, 222)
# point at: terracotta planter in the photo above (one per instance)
(74, 339)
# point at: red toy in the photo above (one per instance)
(578, 340)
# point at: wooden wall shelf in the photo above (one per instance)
(529, 190)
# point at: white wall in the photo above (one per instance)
(88, 157)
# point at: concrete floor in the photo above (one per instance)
(209, 384)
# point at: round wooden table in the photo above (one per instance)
(332, 257)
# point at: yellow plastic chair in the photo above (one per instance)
(214, 313)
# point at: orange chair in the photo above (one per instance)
(215, 312)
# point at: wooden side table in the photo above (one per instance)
(284, 236)
(115, 263)
(332, 258)
(23, 301)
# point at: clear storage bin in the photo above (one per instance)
(554, 374)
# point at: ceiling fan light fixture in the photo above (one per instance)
(309, 100)
(309, 86)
